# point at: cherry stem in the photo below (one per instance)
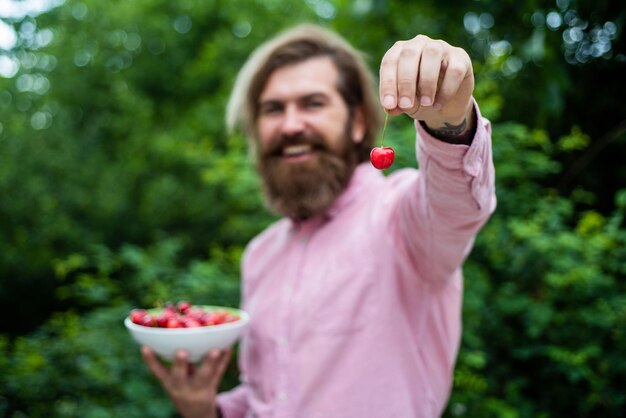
(382, 141)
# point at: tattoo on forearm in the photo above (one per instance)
(452, 134)
(450, 130)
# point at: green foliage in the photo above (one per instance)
(77, 366)
(83, 362)
(121, 188)
(544, 305)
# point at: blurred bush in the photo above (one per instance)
(545, 307)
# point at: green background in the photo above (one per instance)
(120, 188)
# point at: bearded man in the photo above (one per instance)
(355, 294)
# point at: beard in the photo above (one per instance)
(303, 190)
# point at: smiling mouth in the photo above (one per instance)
(297, 150)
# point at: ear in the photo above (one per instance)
(358, 125)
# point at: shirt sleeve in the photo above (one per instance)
(234, 403)
(448, 201)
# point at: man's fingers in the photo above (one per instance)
(222, 363)
(429, 71)
(410, 72)
(212, 367)
(155, 366)
(206, 368)
(408, 66)
(427, 79)
(389, 76)
(395, 112)
(457, 69)
(180, 369)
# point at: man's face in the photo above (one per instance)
(306, 138)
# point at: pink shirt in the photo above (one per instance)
(357, 314)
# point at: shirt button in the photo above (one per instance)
(282, 396)
(288, 289)
(283, 341)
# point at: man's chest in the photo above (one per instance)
(323, 283)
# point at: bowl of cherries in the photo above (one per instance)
(183, 326)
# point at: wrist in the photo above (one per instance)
(211, 410)
(454, 130)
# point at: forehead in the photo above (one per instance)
(314, 75)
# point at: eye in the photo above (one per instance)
(314, 104)
(270, 108)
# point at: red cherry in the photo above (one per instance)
(231, 318)
(183, 306)
(164, 317)
(137, 315)
(209, 318)
(191, 323)
(195, 313)
(220, 317)
(174, 322)
(382, 157)
(148, 321)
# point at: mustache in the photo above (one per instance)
(277, 144)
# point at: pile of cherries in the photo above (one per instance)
(181, 315)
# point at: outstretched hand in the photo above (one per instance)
(192, 389)
(429, 80)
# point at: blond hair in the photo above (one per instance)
(355, 82)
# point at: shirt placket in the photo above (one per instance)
(299, 244)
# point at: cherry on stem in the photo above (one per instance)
(382, 157)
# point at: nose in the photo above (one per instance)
(293, 122)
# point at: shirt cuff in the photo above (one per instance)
(468, 158)
(234, 403)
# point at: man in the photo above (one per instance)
(355, 294)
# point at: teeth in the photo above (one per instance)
(292, 150)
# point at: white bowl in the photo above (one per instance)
(196, 341)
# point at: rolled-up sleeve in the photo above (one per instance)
(444, 206)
